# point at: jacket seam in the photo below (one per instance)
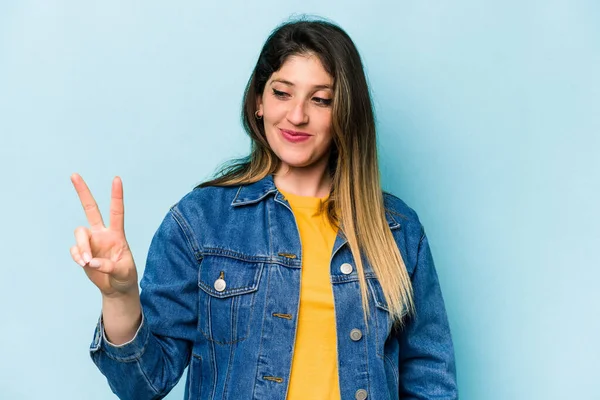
(190, 238)
(394, 367)
(262, 328)
(218, 252)
(139, 365)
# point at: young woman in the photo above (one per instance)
(289, 276)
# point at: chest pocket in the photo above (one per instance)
(226, 297)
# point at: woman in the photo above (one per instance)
(290, 275)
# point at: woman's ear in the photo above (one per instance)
(259, 105)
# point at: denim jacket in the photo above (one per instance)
(220, 295)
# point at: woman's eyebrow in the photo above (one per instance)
(288, 83)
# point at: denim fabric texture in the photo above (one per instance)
(220, 295)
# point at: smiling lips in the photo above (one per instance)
(294, 136)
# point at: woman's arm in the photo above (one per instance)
(426, 361)
(151, 363)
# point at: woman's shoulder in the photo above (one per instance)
(200, 199)
(401, 213)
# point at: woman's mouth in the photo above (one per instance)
(294, 136)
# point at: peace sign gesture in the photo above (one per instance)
(102, 251)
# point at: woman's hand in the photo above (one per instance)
(102, 251)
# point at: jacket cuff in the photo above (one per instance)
(128, 351)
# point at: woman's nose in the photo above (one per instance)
(297, 113)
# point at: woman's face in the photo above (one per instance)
(296, 110)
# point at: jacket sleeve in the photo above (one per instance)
(426, 364)
(149, 366)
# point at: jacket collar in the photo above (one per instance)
(258, 191)
(254, 192)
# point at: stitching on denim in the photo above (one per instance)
(234, 291)
(289, 374)
(268, 206)
(286, 262)
(394, 368)
(378, 302)
(190, 378)
(233, 202)
(343, 242)
(228, 293)
(233, 341)
(228, 373)
(132, 357)
(376, 316)
(243, 202)
(187, 233)
(234, 317)
(190, 389)
(156, 392)
(262, 329)
(252, 302)
(214, 368)
(365, 344)
(207, 318)
(350, 278)
(235, 297)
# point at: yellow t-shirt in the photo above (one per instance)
(314, 372)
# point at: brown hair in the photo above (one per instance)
(355, 204)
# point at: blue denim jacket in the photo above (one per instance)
(220, 294)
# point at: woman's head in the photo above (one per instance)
(308, 79)
(295, 108)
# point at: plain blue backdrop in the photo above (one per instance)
(489, 126)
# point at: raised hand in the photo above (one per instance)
(102, 251)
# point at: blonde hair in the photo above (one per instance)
(356, 204)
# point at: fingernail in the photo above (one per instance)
(81, 262)
(95, 263)
(86, 257)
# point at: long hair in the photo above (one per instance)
(355, 204)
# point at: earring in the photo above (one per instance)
(256, 115)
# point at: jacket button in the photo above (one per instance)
(361, 394)
(220, 285)
(346, 268)
(355, 335)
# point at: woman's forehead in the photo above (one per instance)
(303, 70)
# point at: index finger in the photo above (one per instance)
(87, 201)
(117, 210)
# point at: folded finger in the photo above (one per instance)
(76, 256)
(101, 264)
(82, 238)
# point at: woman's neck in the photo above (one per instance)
(312, 181)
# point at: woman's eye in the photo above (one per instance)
(280, 94)
(321, 101)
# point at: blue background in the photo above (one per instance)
(489, 126)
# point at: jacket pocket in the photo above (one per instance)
(226, 298)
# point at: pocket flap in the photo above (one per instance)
(240, 277)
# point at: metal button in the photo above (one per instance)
(355, 334)
(220, 285)
(346, 268)
(361, 394)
